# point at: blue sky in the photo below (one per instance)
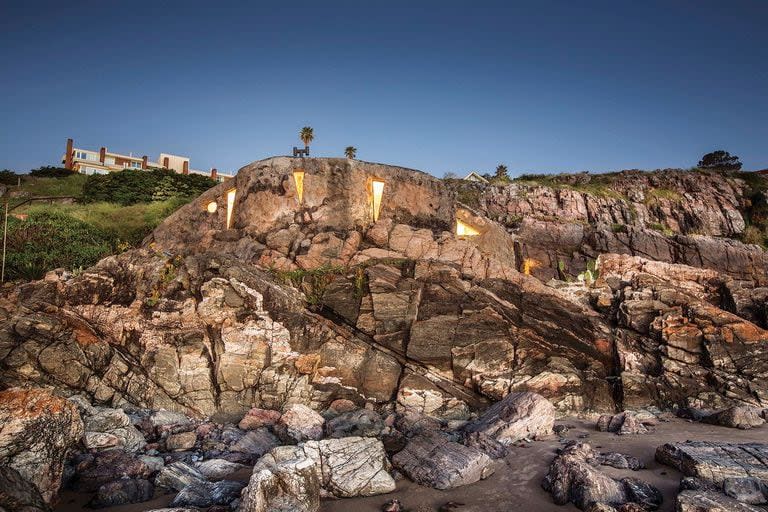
(546, 86)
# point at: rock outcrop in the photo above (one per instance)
(37, 430)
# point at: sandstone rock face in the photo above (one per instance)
(572, 478)
(515, 417)
(37, 430)
(435, 461)
(674, 346)
(291, 477)
(672, 216)
(315, 302)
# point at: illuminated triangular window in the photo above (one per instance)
(230, 206)
(464, 229)
(298, 180)
(377, 191)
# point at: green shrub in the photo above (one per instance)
(135, 186)
(8, 177)
(51, 172)
(49, 240)
(72, 185)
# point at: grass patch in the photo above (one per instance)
(598, 185)
(69, 186)
(655, 194)
(125, 224)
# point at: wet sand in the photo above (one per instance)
(516, 484)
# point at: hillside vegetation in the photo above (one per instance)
(110, 214)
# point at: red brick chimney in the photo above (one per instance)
(165, 162)
(214, 174)
(185, 167)
(144, 162)
(69, 154)
(102, 154)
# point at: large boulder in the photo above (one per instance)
(515, 417)
(107, 428)
(292, 476)
(92, 470)
(37, 430)
(435, 461)
(573, 478)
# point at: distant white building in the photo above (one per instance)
(473, 176)
(86, 161)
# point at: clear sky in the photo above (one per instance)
(542, 86)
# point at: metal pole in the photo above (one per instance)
(5, 238)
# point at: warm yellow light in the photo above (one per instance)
(230, 206)
(298, 180)
(463, 229)
(377, 190)
(212, 207)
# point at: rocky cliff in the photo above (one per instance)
(250, 296)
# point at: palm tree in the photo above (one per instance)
(351, 152)
(501, 173)
(307, 135)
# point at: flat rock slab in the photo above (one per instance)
(435, 461)
(711, 501)
(714, 461)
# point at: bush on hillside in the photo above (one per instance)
(135, 186)
(49, 240)
(51, 172)
(8, 177)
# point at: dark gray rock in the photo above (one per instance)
(96, 469)
(620, 461)
(178, 475)
(487, 444)
(16, 493)
(359, 423)
(256, 442)
(207, 494)
(122, 492)
(746, 490)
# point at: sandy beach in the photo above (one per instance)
(516, 483)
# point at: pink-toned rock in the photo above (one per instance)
(257, 418)
(300, 423)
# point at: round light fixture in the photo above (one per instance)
(212, 207)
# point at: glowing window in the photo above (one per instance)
(230, 206)
(212, 207)
(377, 190)
(298, 180)
(463, 229)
